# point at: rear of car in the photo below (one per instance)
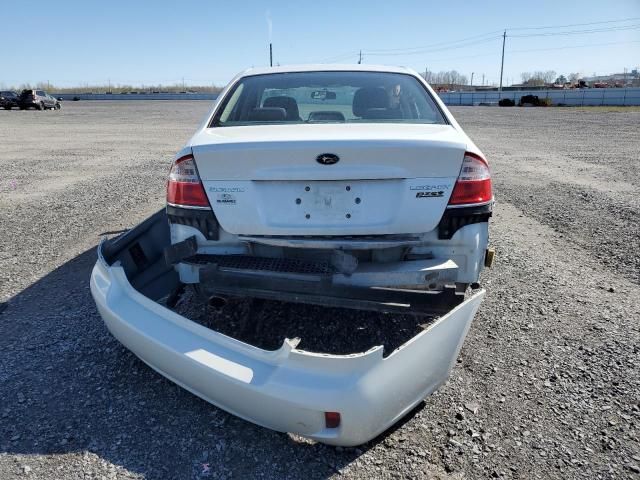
(342, 186)
(28, 99)
(356, 175)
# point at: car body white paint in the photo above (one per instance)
(262, 180)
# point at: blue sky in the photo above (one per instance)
(207, 42)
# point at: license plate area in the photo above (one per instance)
(328, 200)
(327, 207)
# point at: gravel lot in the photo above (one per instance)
(547, 384)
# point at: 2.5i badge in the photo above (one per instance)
(432, 194)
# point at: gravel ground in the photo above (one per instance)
(547, 384)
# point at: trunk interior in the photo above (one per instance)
(262, 323)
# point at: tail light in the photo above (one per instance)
(474, 182)
(184, 188)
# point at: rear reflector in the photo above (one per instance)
(184, 187)
(474, 182)
(332, 419)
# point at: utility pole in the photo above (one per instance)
(504, 39)
(183, 84)
(360, 58)
(270, 54)
(472, 79)
(483, 79)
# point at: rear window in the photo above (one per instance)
(327, 97)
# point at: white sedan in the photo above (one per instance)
(348, 186)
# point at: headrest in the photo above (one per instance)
(288, 103)
(367, 98)
(271, 114)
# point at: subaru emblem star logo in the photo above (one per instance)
(327, 158)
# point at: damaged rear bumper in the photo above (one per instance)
(288, 390)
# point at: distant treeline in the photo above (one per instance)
(121, 88)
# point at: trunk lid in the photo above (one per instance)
(390, 178)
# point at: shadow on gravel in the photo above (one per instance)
(69, 387)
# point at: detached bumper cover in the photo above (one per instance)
(286, 390)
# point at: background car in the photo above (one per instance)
(38, 99)
(8, 99)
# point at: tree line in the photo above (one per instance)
(450, 77)
(541, 78)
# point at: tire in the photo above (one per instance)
(7, 108)
(57, 107)
(41, 106)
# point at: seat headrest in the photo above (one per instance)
(288, 103)
(271, 114)
(367, 98)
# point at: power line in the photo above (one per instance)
(435, 44)
(476, 40)
(430, 50)
(574, 46)
(491, 36)
(578, 32)
(429, 47)
(481, 37)
(343, 56)
(576, 24)
(447, 59)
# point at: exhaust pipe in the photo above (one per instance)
(217, 302)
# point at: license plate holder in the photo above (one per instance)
(330, 200)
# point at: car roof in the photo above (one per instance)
(323, 67)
